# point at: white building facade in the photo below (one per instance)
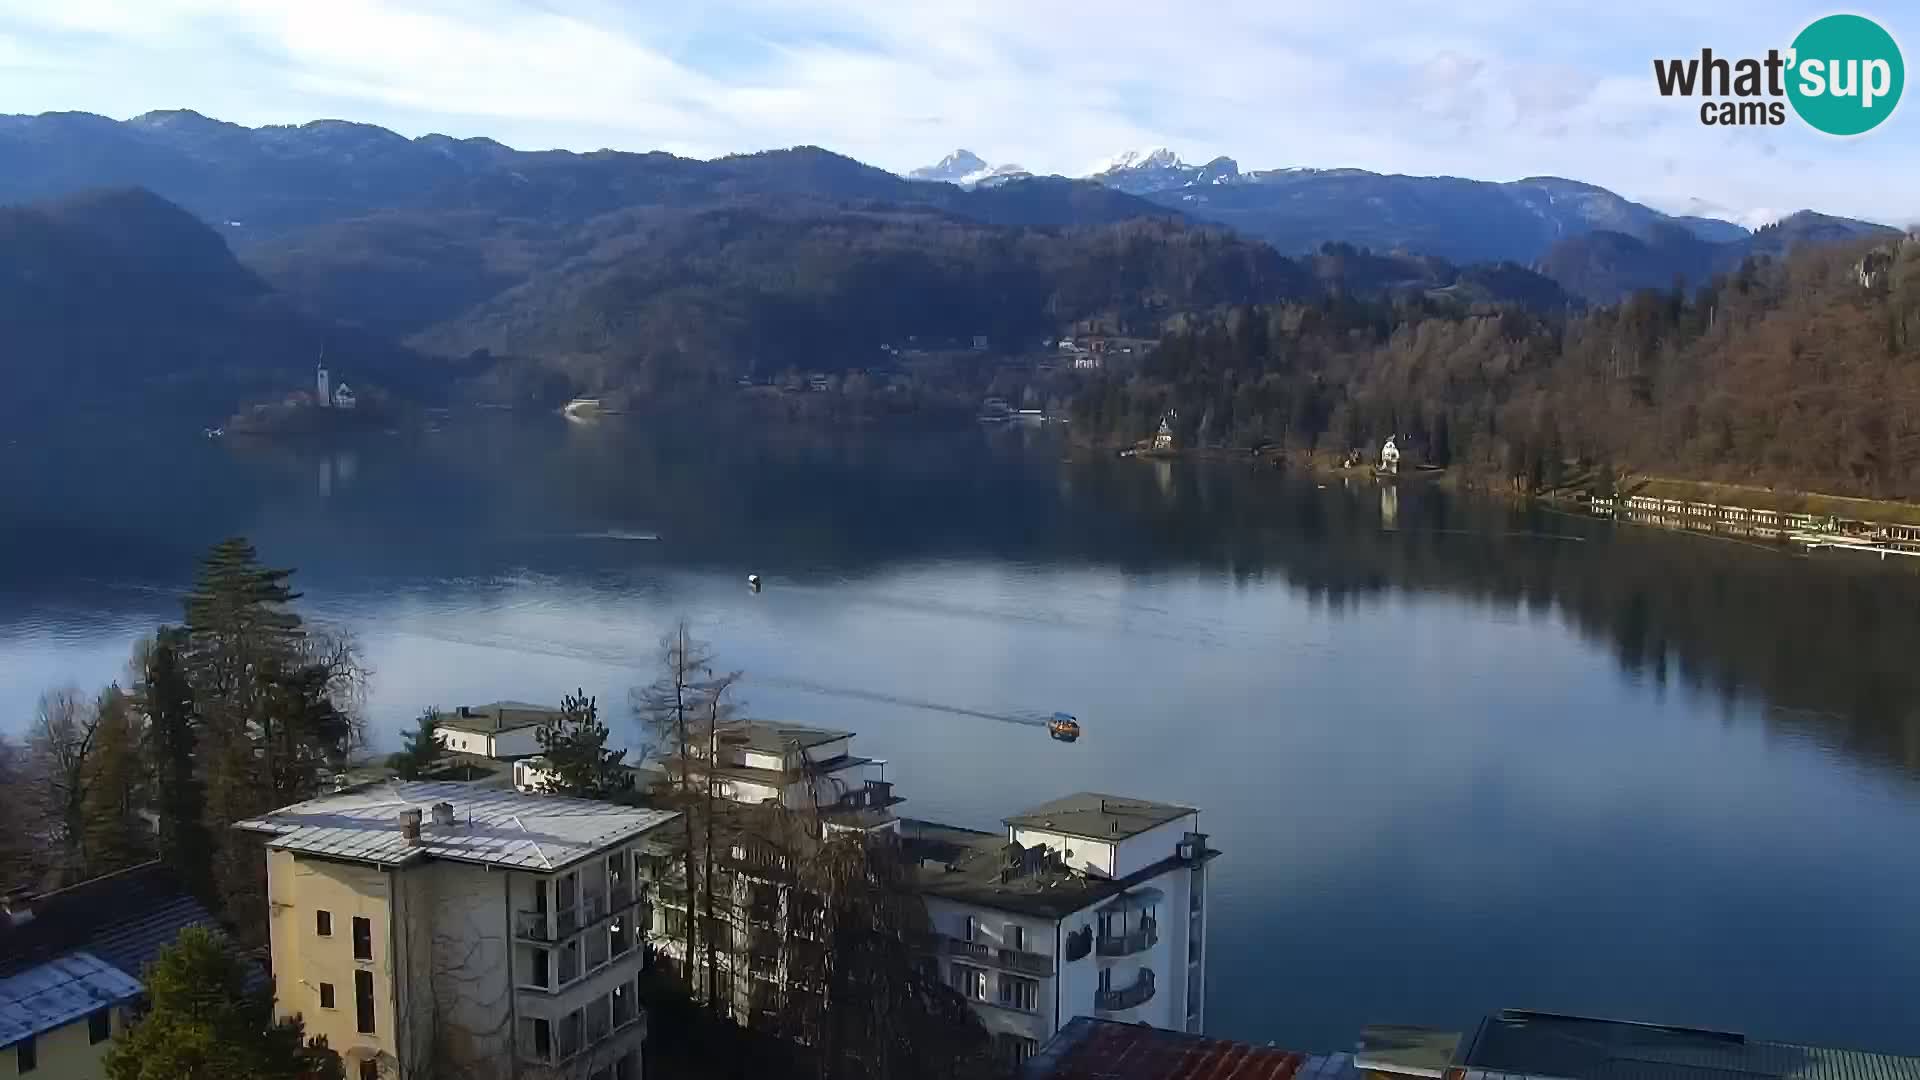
(504, 730)
(1090, 905)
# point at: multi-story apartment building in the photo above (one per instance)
(1090, 905)
(754, 765)
(423, 927)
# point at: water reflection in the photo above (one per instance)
(1461, 755)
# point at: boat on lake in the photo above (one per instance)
(1063, 727)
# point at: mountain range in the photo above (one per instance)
(1537, 221)
(235, 253)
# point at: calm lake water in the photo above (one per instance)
(1459, 756)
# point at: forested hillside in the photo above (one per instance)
(1794, 372)
(674, 302)
(119, 299)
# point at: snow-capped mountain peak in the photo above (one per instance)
(1158, 158)
(966, 168)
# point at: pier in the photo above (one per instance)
(1812, 532)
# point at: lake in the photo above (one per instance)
(1458, 755)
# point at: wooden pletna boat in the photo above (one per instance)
(1063, 727)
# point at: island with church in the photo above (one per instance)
(327, 408)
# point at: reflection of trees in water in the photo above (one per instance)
(1826, 644)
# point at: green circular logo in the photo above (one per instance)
(1846, 75)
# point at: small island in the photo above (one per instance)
(327, 409)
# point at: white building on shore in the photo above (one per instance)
(1090, 905)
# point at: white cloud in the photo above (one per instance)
(1494, 89)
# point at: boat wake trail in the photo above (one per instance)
(825, 690)
(616, 534)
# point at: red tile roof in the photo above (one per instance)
(1089, 1049)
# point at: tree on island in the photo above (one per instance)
(575, 746)
(202, 1022)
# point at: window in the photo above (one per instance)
(323, 923)
(362, 938)
(973, 929)
(326, 995)
(1106, 980)
(26, 1056)
(970, 981)
(99, 1026)
(542, 1039)
(542, 975)
(1016, 936)
(1013, 1049)
(369, 1070)
(363, 1001)
(1019, 993)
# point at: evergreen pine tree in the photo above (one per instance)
(163, 695)
(575, 746)
(202, 1022)
(116, 789)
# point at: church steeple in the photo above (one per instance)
(323, 388)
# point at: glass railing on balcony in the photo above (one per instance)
(569, 965)
(566, 921)
(1134, 941)
(620, 895)
(1127, 997)
(592, 906)
(531, 926)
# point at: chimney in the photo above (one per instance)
(442, 815)
(410, 825)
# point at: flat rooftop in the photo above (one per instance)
(770, 737)
(1407, 1051)
(1514, 1043)
(497, 717)
(1100, 817)
(1092, 1049)
(968, 866)
(492, 826)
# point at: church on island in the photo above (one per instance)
(336, 397)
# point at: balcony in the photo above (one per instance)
(531, 926)
(1135, 941)
(1128, 997)
(1027, 963)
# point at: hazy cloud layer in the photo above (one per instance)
(1493, 89)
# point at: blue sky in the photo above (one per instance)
(1493, 89)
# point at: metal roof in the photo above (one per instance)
(1100, 817)
(774, 738)
(1091, 1049)
(1521, 1043)
(125, 918)
(1407, 1051)
(58, 992)
(492, 827)
(497, 717)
